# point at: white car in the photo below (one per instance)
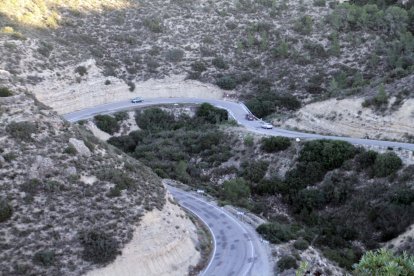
(137, 100)
(266, 126)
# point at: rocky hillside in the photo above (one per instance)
(309, 49)
(63, 192)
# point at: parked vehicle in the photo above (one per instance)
(266, 126)
(137, 100)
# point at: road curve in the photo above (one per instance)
(236, 110)
(238, 250)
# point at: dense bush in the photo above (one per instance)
(118, 177)
(265, 102)
(155, 25)
(236, 191)
(301, 244)
(198, 66)
(98, 246)
(276, 232)
(174, 55)
(287, 262)
(6, 210)
(22, 130)
(220, 63)
(81, 70)
(254, 171)
(211, 114)
(5, 92)
(154, 119)
(380, 100)
(331, 154)
(121, 116)
(387, 164)
(226, 83)
(70, 150)
(384, 262)
(304, 25)
(107, 123)
(44, 258)
(275, 144)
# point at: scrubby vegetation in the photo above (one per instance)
(107, 123)
(275, 144)
(6, 211)
(337, 194)
(169, 144)
(98, 246)
(22, 130)
(5, 92)
(384, 262)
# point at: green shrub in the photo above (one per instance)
(248, 141)
(118, 177)
(131, 86)
(121, 116)
(301, 244)
(107, 123)
(198, 66)
(154, 119)
(345, 257)
(275, 144)
(384, 262)
(276, 232)
(174, 55)
(319, 3)
(155, 25)
(287, 262)
(81, 70)
(281, 50)
(125, 143)
(254, 171)
(6, 210)
(70, 150)
(220, 63)
(366, 159)
(22, 130)
(236, 190)
(387, 164)
(5, 92)
(211, 114)
(330, 153)
(304, 25)
(226, 83)
(44, 258)
(98, 246)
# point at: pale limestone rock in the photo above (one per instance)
(80, 147)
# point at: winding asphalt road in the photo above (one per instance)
(238, 250)
(236, 110)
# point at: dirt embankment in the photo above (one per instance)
(347, 117)
(66, 91)
(163, 244)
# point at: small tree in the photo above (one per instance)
(382, 96)
(236, 190)
(387, 164)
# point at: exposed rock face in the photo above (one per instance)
(163, 245)
(80, 147)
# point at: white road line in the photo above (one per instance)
(220, 210)
(212, 234)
